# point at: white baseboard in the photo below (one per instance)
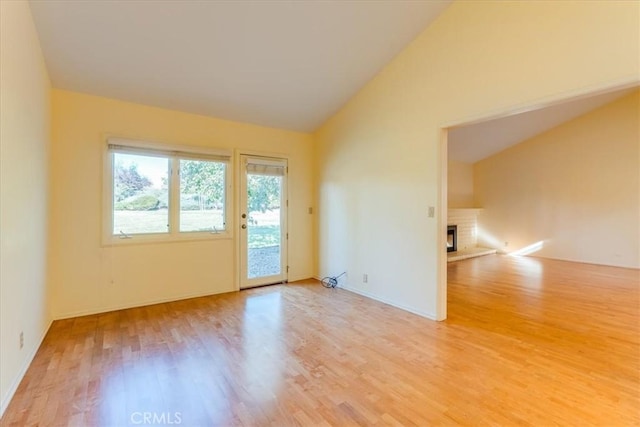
(89, 312)
(16, 382)
(298, 278)
(404, 307)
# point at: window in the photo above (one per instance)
(202, 195)
(140, 194)
(156, 192)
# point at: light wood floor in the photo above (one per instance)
(528, 342)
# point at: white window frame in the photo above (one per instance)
(174, 153)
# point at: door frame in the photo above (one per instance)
(237, 232)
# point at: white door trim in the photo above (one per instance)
(243, 280)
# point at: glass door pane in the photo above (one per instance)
(264, 231)
(263, 221)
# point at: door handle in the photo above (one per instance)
(244, 226)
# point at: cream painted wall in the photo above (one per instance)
(24, 158)
(88, 277)
(460, 184)
(575, 188)
(379, 158)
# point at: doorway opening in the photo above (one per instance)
(485, 136)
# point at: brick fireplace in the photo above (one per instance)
(462, 235)
(466, 221)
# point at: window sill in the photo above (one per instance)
(152, 239)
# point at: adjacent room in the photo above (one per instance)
(319, 213)
(555, 182)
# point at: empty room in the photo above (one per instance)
(221, 213)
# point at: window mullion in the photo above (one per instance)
(174, 206)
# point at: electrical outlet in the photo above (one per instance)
(310, 211)
(21, 339)
(365, 278)
(432, 211)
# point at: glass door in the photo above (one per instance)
(263, 221)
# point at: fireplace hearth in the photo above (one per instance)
(452, 238)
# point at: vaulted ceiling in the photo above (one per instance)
(478, 141)
(284, 64)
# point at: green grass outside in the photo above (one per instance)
(263, 231)
(261, 236)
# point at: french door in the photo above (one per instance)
(263, 221)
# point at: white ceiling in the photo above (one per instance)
(285, 64)
(475, 142)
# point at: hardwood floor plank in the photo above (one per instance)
(528, 342)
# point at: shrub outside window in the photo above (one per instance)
(140, 194)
